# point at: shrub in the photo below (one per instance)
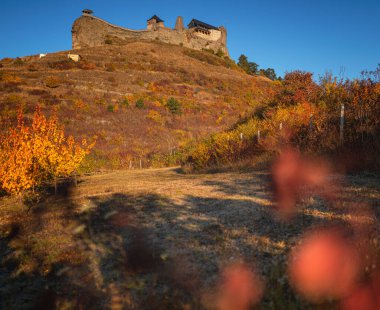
(9, 78)
(156, 117)
(32, 68)
(86, 65)
(140, 104)
(18, 62)
(52, 82)
(111, 108)
(80, 105)
(108, 41)
(174, 106)
(125, 102)
(14, 99)
(110, 67)
(219, 53)
(31, 155)
(38, 92)
(67, 64)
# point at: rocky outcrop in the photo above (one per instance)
(91, 31)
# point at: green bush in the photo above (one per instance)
(110, 108)
(140, 104)
(219, 53)
(18, 62)
(174, 106)
(125, 102)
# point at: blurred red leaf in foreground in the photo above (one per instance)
(324, 265)
(292, 172)
(365, 297)
(239, 289)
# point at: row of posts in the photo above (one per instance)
(131, 164)
(341, 131)
(341, 134)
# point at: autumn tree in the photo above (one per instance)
(56, 155)
(30, 156)
(16, 159)
(249, 67)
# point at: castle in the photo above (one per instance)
(91, 31)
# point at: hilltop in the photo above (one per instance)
(120, 94)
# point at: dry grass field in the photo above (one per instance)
(158, 239)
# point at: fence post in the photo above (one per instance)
(342, 124)
(241, 136)
(140, 164)
(281, 126)
(258, 136)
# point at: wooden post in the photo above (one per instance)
(241, 136)
(342, 124)
(281, 126)
(130, 164)
(258, 136)
(140, 164)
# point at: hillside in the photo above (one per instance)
(97, 97)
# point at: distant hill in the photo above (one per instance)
(120, 94)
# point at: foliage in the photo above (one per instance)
(18, 62)
(110, 67)
(9, 78)
(219, 53)
(140, 104)
(66, 64)
(307, 115)
(156, 117)
(17, 171)
(31, 155)
(86, 65)
(111, 108)
(52, 82)
(208, 56)
(269, 73)
(174, 106)
(248, 67)
(125, 102)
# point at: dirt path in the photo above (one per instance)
(158, 239)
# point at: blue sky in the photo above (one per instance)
(342, 37)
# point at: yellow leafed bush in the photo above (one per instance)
(32, 155)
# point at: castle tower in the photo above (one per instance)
(155, 23)
(179, 24)
(224, 35)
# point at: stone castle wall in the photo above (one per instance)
(91, 31)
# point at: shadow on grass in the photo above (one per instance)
(63, 255)
(142, 251)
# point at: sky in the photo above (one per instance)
(336, 36)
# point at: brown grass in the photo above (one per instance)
(156, 239)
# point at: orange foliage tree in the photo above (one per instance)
(56, 155)
(30, 156)
(16, 159)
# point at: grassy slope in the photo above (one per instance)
(213, 96)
